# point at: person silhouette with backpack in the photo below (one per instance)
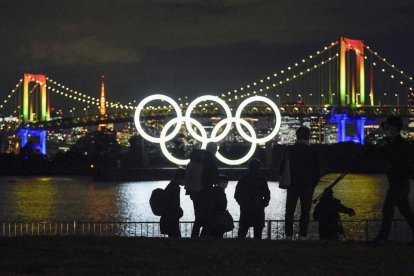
(253, 195)
(171, 210)
(326, 213)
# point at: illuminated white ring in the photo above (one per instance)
(248, 155)
(177, 121)
(239, 120)
(208, 98)
(140, 107)
(203, 138)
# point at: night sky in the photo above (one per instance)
(186, 47)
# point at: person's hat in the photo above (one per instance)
(255, 164)
(327, 191)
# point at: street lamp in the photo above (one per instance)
(398, 99)
(278, 99)
(322, 99)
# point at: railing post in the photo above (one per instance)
(269, 229)
(74, 227)
(366, 229)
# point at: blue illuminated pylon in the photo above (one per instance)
(343, 121)
(25, 133)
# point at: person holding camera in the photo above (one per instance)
(327, 214)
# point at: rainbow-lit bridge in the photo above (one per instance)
(346, 78)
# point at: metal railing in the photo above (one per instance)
(356, 230)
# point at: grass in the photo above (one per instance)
(153, 256)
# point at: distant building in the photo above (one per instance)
(287, 131)
(125, 135)
(10, 142)
(373, 133)
(330, 134)
(316, 125)
(411, 112)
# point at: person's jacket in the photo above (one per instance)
(252, 193)
(304, 166)
(327, 214)
(398, 157)
(219, 200)
(171, 206)
(210, 173)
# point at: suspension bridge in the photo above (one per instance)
(344, 79)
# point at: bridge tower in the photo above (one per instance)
(36, 137)
(28, 108)
(351, 80)
(351, 76)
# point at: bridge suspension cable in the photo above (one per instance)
(278, 78)
(394, 82)
(398, 71)
(409, 78)
(82, 97)
(289, 79)
(12, 93)
(276, 75)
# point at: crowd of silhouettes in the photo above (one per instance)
(206, 189)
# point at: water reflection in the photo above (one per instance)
(43, 191)
(68, 199)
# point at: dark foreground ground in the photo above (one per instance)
(149, 256)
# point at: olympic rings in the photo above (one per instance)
(252, 148)
(203, 138)
(138, 113)
(208, 98)
(275, 129)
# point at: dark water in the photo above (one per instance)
(73, 198)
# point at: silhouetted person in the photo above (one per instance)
(209, 178)
(253, 195)
(396, 153)
(217, 206)
(327, 214)
(172, 212)
(304, 176)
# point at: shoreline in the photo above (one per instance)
(153, 174)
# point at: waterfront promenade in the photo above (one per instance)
(145, 256)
